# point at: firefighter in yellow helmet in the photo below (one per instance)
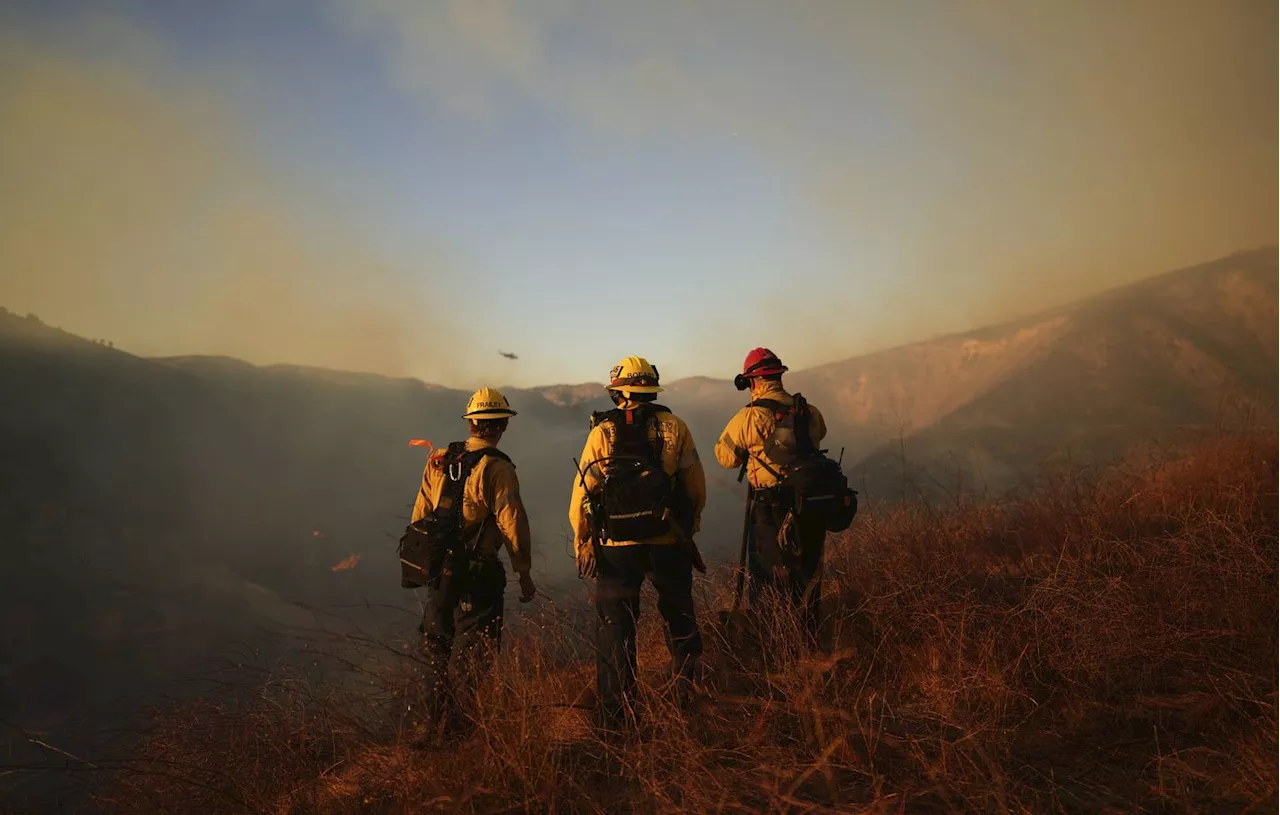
(784, 551)
(637, 503)
(462, 624)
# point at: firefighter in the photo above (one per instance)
(462, 623)
(784, 552)
(637, 503)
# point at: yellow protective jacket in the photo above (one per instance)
(679, 455)
(748, 431)
(491, 495)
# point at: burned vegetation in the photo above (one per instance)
(1089, 647)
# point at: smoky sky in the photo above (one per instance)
(966, 163)
(826, 179)
(135, 210)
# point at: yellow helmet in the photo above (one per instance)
(634, 375)
(488, 403)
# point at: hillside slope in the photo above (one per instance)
(1193, 348)
(1105, 647)
(155, 511)
(1186, 352)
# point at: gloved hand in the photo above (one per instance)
(586, 556)
(527, 589)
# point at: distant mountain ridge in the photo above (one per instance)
(1192, 348)
(1203, 339)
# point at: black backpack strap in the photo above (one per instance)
(804, 436)
(470, 458)
(772, 405)
(659, 443)
(778, 409)
(765, 465)
(631, 429)
(804, 439)
(651, 420)
(476, 455)
(457, 466)
(458, 463)
(441, 458)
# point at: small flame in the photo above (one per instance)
(421, 443)
(348, 562)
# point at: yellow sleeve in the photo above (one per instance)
(817, 426)
(594, 449)
(422, 504)
(731, 448)
(504, 503)
(693, 477)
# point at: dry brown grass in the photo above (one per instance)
(1106, 647)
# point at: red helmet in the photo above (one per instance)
(760, 362)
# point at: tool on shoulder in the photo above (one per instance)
(682, 508)
(698, 562)
(746, 533)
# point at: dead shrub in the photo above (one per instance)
(1098, 647)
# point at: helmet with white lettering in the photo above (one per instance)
(634, 375)
(488, 403)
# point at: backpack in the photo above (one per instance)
(635, 500)
(432, 549)
(813, 484)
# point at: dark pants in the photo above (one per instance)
(620, 571)
(460, 636)
(802, 585)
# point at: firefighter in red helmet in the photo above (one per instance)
(784, 549)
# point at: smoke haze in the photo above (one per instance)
(407, 188)
(826, 183)
(135, 210)
(958, 164)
